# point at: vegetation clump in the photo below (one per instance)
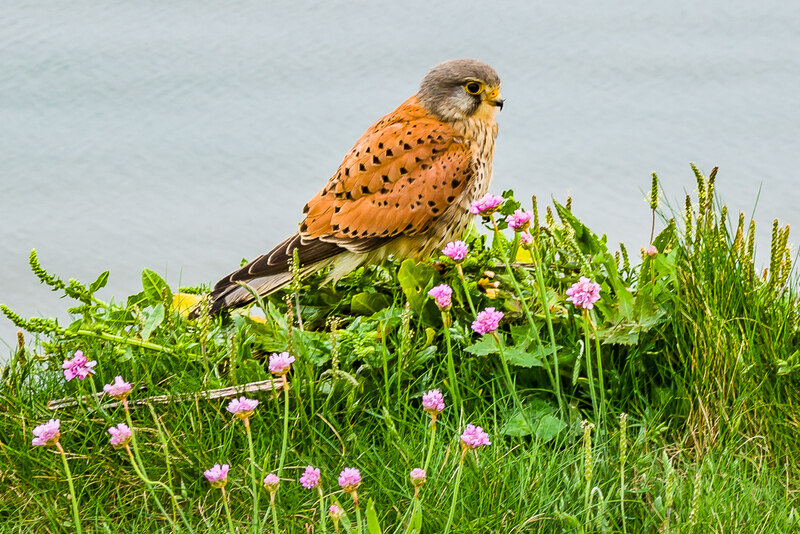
(525, 380)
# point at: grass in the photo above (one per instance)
(696, 348)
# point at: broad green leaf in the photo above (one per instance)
(416, 520)
(311, 346)
(416, 280)
(522, 358)
(545, 424)
(100, 283)
(155, 318)
(548, 427)
(368, 303)
(484, 346)
(373, 526)
(126, 355)
(155, 288)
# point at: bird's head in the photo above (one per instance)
(460, 89)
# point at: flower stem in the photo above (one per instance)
(598, 355)
(466, 289)
(322, 515)
(587, 348)
(227, 510)
(451, 368)
(274, 512)
(511, 387)
(256, 526)
(360, 529)
(430, 445)
(285, 425)
(554, 377)
(455, 492)
(150, 483)
(74, 499)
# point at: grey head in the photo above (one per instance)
(457, 89)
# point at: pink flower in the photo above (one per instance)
(526, 237)
(519, 220)
(78, 367)
(456, 250)
(217, 475)
(119, 389)
(487, 321)
(271, 482)
(336, 512)
(350, 479)
(310, 478)
(433, 402)
(584, 293)
(48, 433)
(474, 437)
(279, 364)
(417, 477)
(442, 294)
(120, 435)
(485, 205)
(651, 251)
(242, 407)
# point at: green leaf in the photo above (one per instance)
(522, 358)
(155, 288)
(416, 280)
(484, 346)
(125, 355)
(546, 425)
(155, 318)
(373, 526)
(416, 519)
(100, 283)
(368, 303)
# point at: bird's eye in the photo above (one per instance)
(473, 88)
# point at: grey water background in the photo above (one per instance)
(183, 136)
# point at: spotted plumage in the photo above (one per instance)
(404, 189)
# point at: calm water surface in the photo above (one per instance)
(184, 136)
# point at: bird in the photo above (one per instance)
(403, 190)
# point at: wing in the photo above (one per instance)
(397, 179)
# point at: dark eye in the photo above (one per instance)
(473, 88)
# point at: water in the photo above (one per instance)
(184, 136)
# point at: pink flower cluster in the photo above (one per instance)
(271, 482)
(474, 437)
(310, 477)
(217, 475)
(78, 367)
(279, 364)
(526, 237)
(519, 220)
(485, 205)
(456, 250)
(242, 407)
(336, 512)
(119, 389)
(442, 293)
(487, 321)
(350, 479)
(120, 435)
(418, 477)
(433, 402)
(47, 433)
(584, 293)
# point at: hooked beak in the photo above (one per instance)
(493, 98)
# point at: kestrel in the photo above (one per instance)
(403, 190)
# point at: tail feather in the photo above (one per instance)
(270, 272)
